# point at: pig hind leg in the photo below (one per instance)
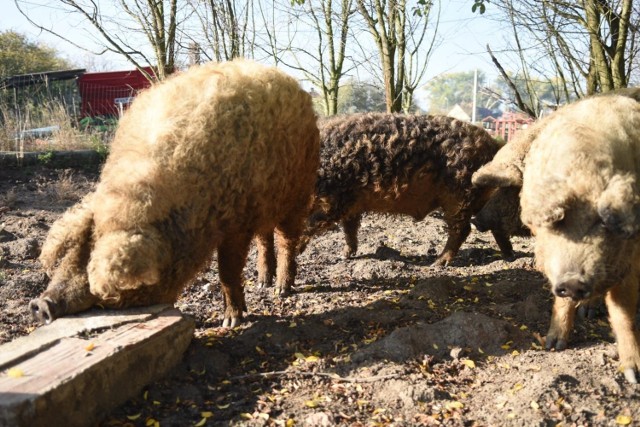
(266, 259)
(350, 227)
(288, 234)
(232, 256)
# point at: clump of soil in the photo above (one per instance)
(381, 339)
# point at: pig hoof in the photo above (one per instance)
(231, 322)
(561, 345)
(630, 375)
(265, 283)
(549, 343)
(554, 343)
(42, 310)
(282, 292)
(441, 262)
(348, 253)
(509, 256)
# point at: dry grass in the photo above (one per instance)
(67, 134)
(64, 188)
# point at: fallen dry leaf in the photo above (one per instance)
(469, 363)
(15, 373)
(623, 420)
(454, 405)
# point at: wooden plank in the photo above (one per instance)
(81, 324)
(78, 380)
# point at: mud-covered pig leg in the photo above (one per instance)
(458, 230)
(504, 243)
(622, 304)
(232, 256)
(562, 318)
(266, 259)
(350, 227)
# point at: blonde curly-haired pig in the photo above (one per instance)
(206, 160)
(580, 198)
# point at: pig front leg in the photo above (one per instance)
(562, 318)
(350, 227)
(232, 256)
(622, 304)
(266, 260)
(504, 243)
(591, 308)
(458, 232)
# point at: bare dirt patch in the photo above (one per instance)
(381, 339)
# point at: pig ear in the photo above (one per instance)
(549, 209)
(125, 260)
(551, 215)
(619, 206)
(497, 174)
(70, 233)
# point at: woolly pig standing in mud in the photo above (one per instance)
(501, 214)
(206, 160)
(580, 198)
(399, 164)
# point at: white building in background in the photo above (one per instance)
(458, 113)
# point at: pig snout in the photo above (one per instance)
(44, 310)
(572, 288)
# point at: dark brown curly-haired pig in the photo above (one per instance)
(399, 164)
(204, 161)
(501, 214)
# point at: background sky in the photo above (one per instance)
(464, 36)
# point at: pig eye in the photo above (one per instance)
(554, 218)
(600, 225)
(559, 224)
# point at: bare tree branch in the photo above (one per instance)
(519, 102)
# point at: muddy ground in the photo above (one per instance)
(382, 339)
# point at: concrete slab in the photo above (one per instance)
(77, 369)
